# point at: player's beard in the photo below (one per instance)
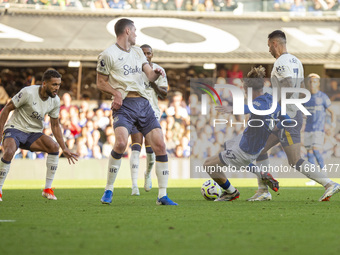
(50, 94)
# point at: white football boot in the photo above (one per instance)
(334, 188)
(135, 191)
(261, 195)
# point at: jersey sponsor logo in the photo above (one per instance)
(130, 70)
(36, 115)
(318, 100)
(20, 95)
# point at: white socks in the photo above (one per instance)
(311, 171)
(4, 169)
(150, 161)
(162, 172)
(134, 166)
(113, 168)
(51, 165)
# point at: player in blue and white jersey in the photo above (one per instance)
(244, 149)
(288, 72)
(119, 73)
(318, 106)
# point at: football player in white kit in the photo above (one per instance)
(119, 73)
(24, 128)
(156, 89)
(288, 72)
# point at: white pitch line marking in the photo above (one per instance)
(7, 220)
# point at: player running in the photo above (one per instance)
(288, 72)
(123, 64)
(314, 135)
(242, 150)
(24, 128)
(156, 89)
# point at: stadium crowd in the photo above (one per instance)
(295, 7)
(87, 123)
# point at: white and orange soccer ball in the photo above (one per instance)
(211, 190)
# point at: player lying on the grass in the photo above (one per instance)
(24, 128)
(156, 89)
(318, 106)
(244, 149)
(123, 63)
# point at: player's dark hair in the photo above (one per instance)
(121, 25)
(255, 78)
(49, 74)
(277, 34)
(146, 46)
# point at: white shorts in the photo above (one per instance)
(315, 138)
(235, 156)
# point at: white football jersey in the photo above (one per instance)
(161, 82)
(30, 110)
(124, 68)
(287, 65)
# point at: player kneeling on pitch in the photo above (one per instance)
(242, 150)
(24, 128)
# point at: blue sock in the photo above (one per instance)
(310, 157)
(226, 185)
(319, 158)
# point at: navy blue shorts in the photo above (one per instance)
(292, 135)
(23, 140)
(135, 111)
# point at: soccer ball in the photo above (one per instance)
(211, 190)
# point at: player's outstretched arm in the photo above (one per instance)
(104, 86)
(4, 115)
(56, 130)
(152, 74)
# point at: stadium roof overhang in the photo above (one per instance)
(182, 38)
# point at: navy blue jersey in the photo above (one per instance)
(254, 138)
(317, 106)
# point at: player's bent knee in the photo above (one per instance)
(9, 154)
(120, 146)
(54, 147)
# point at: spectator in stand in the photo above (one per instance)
(234, 73)
(228, 5)
(67, 99)
(177, 106)
(298, 8)
(116, 4)
(334, 91)
(282, 5)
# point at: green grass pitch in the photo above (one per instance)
(294, 222)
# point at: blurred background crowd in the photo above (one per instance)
(295, 7)
(87, 123)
